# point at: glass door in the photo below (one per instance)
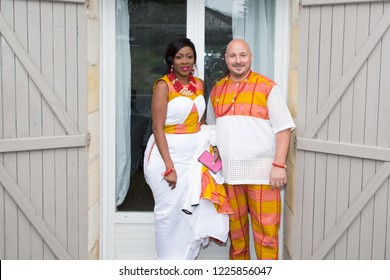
(135, 34)
(151, 26)
(142, 41)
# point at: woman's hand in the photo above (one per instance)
(170, 177)
(216, 154)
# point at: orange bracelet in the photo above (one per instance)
(279, 165)
(168, 171)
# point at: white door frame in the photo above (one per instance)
(107, 129)
(195, 31)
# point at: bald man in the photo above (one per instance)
(253, 127)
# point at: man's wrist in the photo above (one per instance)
(279, 165)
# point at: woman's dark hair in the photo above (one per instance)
(173, 47)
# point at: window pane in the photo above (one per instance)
(218, 33)
(153, 24)
(251, 20)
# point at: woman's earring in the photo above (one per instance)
(171, 69)
(193, 69)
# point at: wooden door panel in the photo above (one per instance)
(43, 130)
(343, 155)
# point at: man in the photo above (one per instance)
(253, 127)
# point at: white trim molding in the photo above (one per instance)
(196, 31)
(282, 44)
(107, 127)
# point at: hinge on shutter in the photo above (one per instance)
(295, 142)
(87, 3)
(88, 138)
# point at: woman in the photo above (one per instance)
(178, 108)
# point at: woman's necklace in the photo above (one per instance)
(238, 91)
(188, 90)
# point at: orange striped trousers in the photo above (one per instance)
(263, 204)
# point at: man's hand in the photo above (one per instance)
(278, 177)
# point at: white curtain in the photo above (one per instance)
(123, 99)
(254, 21)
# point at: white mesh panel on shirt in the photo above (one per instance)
(278, 112)
(247, 148)
(252, 171)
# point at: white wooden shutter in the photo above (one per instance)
(43, 130)
(342, 195)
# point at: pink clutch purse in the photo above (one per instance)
(207, 160)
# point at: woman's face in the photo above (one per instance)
(183, 61)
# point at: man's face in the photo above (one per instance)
(238, 59)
